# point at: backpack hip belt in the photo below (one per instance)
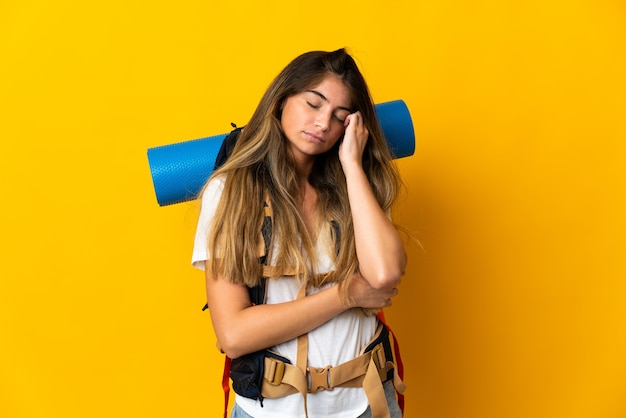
(369, 370)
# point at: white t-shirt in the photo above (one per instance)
(337, 341)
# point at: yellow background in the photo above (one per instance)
(517, 306)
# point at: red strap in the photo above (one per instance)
(226, 385)
(396, 349)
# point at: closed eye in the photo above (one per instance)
(314, 106)
(341, 116)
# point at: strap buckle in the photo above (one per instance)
(319, 379)
(378, 355)
(276, 371)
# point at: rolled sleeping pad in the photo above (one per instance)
(180, 170)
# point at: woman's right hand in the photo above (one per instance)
(362, 295)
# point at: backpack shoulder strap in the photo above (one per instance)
(227, 147)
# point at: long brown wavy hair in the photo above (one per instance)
(261, 169)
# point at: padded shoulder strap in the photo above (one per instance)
(227, 148)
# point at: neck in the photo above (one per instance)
(308, 205)
(303, 166)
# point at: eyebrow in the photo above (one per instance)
(325, 99)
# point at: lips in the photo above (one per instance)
(314, 137)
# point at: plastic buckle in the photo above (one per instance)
(378, 355)
(319, 379)
(276, 372)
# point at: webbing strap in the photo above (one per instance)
(303, 351)
(282, 379)
(398, 373)
(374, 391)
(368, 371)
(272, 271)
(279, 376)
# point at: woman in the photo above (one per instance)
(313, 159)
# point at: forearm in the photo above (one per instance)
(261, 326)
(379, 249)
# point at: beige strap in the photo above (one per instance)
(373, 380)
(303, 340)
(303, 353)
(279, 375)
(272, 271)
(368, 371)
(374, 391)
(281, 379)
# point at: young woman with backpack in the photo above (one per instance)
(301, 210)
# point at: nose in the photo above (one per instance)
(322, 121)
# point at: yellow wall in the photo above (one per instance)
(517, 307)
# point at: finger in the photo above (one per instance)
(356, 117)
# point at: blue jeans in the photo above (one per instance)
(390, 394)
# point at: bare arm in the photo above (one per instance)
(381, 255)
(242, 328)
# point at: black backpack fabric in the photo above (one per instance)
(227, 147)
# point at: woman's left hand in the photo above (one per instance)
(354, 140)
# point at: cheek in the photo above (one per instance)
(292, 115)
(285, 117)
(337, 133)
